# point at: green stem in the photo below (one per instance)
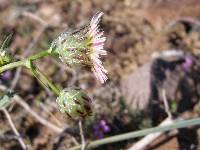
(134, 134)
(44, 80)
(12, 65)
(23, 62)
(39, 55)
(37, 73)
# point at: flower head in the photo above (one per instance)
(74, 103)
(83, 47)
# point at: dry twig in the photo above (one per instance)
(23, 145)
(43, 121)
(82, 135)
(166, 104)
(50, 113)
(35, 115)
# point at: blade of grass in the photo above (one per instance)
(134, 134)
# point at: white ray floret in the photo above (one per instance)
(97, 48)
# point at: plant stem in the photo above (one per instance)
(37, 73)
(23, 62)
(134, 134)
(24, 146)
(12, 65)
(39, 55)
(44, 80)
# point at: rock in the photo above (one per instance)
(136, 88)
(143, 89)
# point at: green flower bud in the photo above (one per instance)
(74, 103)
(5, 58)
(72, 48)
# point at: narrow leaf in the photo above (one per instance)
(6, 42)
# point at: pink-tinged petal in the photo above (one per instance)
(101, 40)
(95, 20)
(99, 74)
(98, 65)
(99, 35)
(98, 43)
(97, 48)
(96, 61)
(97, 39)
(102, 52)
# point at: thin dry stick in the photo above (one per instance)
(34, 17)
(7, 137)
(15, 130)
(35, 115)
(168, 53)
(58, 122)
(50, 113)
(151, 137)
(166, 104)
(82, 135)
(43, 121)
(40, 20)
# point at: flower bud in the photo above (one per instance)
(74, 103)
(72, 48)
(5, 58)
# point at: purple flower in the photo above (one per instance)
(104, 126)
(187, 64)
(101, 128)
(6, 75)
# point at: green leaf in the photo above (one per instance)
(6, 42)
(5, 100)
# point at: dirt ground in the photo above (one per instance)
(136, 30)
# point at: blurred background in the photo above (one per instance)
(153, 68)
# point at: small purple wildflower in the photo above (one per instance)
(104, 126)
(101, 128)
(6, 75)
(186, 65)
